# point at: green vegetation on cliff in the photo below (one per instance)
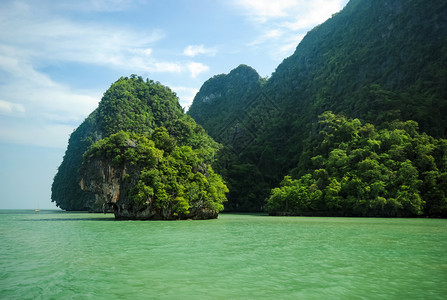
(355, 169)
(161, 179)
(223, 97)
(131, 105)
(378, 61)
(226, 105)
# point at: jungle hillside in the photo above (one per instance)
(379, 66)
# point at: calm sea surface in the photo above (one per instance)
(59, 255)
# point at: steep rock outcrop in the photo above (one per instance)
(112, 193)
(132, 105)
(105, 181)
(131, 176)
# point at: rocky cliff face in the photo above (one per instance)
(129, 175)
(112, 188)
(105, 181)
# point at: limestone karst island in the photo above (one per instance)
(139, 155)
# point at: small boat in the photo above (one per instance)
(36, 210)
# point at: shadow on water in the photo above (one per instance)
(74, 216)
(56, 215)
(112, 218)
(71, 219)
(252, 214)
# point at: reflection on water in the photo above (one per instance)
(60, 255)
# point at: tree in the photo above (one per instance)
(360, 171)
(167, 185)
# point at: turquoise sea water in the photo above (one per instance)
(59, 255)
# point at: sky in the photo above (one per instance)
(57, 58)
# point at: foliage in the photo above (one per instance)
(65, 190)
(377, 61)
(132, 105)
(172, 179)
(223, 97)
(354, 169)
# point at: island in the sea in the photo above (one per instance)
(139, 155)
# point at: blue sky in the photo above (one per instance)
(57, 58)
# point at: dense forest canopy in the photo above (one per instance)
(381, 62)
(355, 169)
(222, 97)
(138, 107)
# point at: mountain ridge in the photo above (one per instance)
(378, 61)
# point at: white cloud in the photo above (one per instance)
(40, 96)
(283, 23)
(107, 5)
(263, 10)
(144, 52)
(186, 95)
(10, 108)
(269, 35)
(46, 38)
(45, 111)
(194, 50)
(39, 134)
(40, 110)
(167, 67)
(316, 12)
(196, 68)
(95, 5)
